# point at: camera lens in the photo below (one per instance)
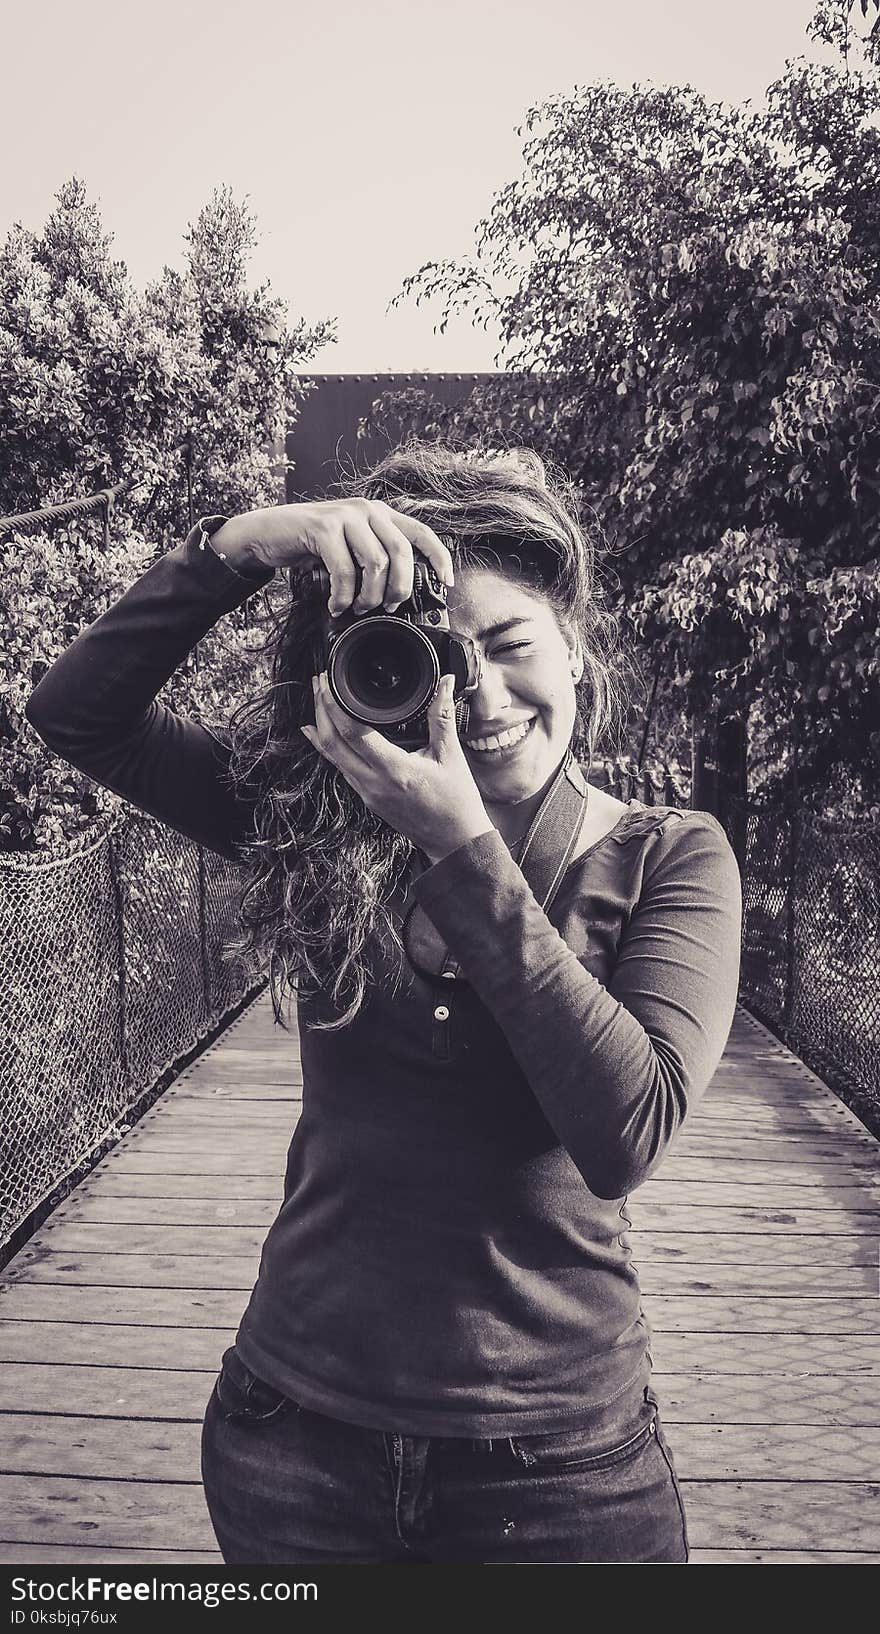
(383, 671)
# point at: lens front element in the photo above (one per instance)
(383, 671)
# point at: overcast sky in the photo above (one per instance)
(370, 135)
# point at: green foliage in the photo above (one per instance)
(688, 299)
(101, 383)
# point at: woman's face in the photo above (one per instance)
(526, 696)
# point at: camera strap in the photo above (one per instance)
(543, 856)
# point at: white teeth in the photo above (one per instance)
(503, 740)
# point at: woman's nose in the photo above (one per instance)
(492, 696)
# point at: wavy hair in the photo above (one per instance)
(322, 867)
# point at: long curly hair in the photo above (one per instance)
(322, 867)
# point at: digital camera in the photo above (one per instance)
(384, 668)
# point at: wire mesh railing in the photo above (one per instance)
(654, 783)
(811, 944)
(111, 962)
(811, 929)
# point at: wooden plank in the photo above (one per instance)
(253, 1215)
(249, 1157)
(781, 1557)
(774, 1149)
(192, 1121)
(101, 1554)
(770, 1121)
(271, 1140)
(703, 1259)
(252, 1219)
(137, 1270)
(687, 1218)
(118, 1344)
(58, 1388)
(807, 1281)
(284, 1048)
(766, 1159)
(124, 1514)
(784, 1404)
(771, 1355)
(134, 1450)
(789, 1092)
(149, 1198)
(733, 1192)
(176, 1112)
(284, 1074)
(239, 1054)
(115, 1345)
(691, 1313)
(256, 1056)
(67, 1236)
(157, 1143)
(777, 1452)
(171, 1307)
(205, 1194)
(206, 1187)
(225, 1267)
(129, 1160)
(655, 1247)
(780, 1514)
(233, 1093)
(160, 1307)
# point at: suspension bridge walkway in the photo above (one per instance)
(756, 1246)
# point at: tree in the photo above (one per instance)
(102, 383)
(688, 299)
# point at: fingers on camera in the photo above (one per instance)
(343, 578)
(399, 559)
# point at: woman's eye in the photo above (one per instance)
(514, 646)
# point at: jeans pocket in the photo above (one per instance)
(242, 1396)
(578, 1449)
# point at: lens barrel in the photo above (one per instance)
(383, 670)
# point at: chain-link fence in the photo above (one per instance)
(655, 784)
(811, 930)
(811, 944)
(111, 970)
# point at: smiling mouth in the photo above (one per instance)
(501, 741)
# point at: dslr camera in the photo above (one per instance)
(384, 668)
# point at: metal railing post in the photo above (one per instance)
(121, 983)
(793, 860)
(203, 933)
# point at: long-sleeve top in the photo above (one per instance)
(452, 1252)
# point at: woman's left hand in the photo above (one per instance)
(428, 795)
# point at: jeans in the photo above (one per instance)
(288, 1486)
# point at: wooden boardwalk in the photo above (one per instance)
(757, 1252)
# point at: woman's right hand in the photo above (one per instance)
(343, 534)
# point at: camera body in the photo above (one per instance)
(384, 668)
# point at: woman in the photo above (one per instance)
(444, 1358)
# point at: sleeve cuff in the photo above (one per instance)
(213, 566)
(476, 861)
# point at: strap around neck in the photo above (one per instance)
(550, 842)
(546, 852)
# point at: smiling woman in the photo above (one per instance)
(444, 1358)
(513, 532)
